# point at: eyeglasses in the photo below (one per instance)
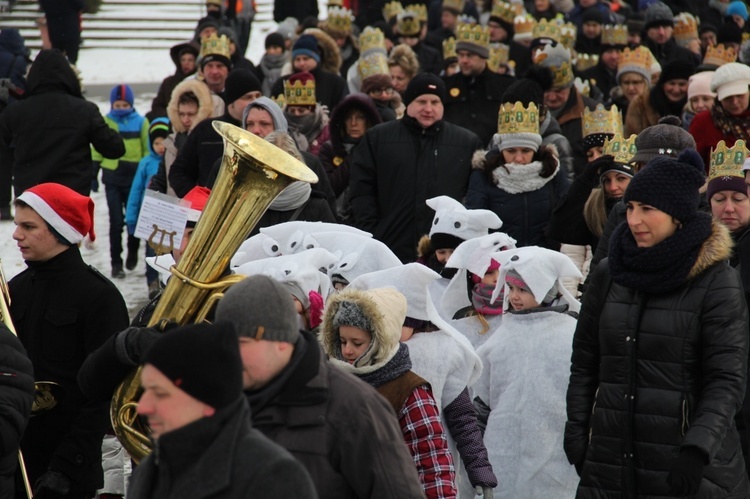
(378, 91)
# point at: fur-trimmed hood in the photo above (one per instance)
(330, 55)
(205, 104)
(385, 308)
(337, 123)
(424, 247)
(718, 247)
(547, 153)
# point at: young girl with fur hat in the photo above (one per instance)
(360, 333)
(521, 391)
(518, 179)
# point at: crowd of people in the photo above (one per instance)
(519, 273)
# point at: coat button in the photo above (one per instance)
(627, 338)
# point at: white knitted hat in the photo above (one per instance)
(731, 79)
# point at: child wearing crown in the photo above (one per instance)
(518, 178)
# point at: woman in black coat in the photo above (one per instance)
(660, 352)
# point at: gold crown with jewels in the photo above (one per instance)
(408, 24)
(602, 120)
(639, 57)
(615, 34)
(391, 10)
(340, 19)
(420, 10)
(568, 33)
(454, 5)
(586, 61)
(215, 45)
(547, 29)
(499, 54)
(449, 49)
(620, 148)
(719, 55)
(728, 161)
(504, 11)
(298, 94)
(515, 118)
(476, 35)
(524, 25)
(557, 59)
(372, 64)
(370, 39)
(685, 28)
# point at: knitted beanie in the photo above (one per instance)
(239, 82)
(275, 40)
(731, 79)
(160, 127)
(203, 360)
(376, 82)
(69, 213)
(350, 313)
(424, 83)
(666, 138)
(658, 14)
(737, 8)
(526, 140)
(700, 84)
(670, 185)
(306, 45)
(592, 15)
(676, 69)
(260, 308)
(122, 92)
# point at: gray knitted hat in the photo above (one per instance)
(350, 314)
(260, 308)
(667, 138)
(658, 14)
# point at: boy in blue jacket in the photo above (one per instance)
(149, 165)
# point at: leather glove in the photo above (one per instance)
(132, 343)
(685, 477)
(485, 492)
(51, 484)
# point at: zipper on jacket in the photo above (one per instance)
(591, 419)
(685, 424)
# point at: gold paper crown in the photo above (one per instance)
(454, 5)
(586, 61)
(499, 54)
(370, 39)
(297, 94)
(449, 49)
(515, 118)
(215, 45)
(504, 11)
(391, 10)
(602, 120)
(568, 35)
(420, 10)
(719, 55)
(639, 57)
(547, 29)
(557, 59)
(727, 162)
(476, 35)
(339, 19)
(373, 64)
(615, 34)
(518, 7)
(280, 100)
(524, 25)
(408, 24)
(685, 27)
(622, 149)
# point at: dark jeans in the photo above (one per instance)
(117, 199)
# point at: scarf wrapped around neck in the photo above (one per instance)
(737, 126)
(481, 294)
(310, 126)
(292, 197)
(662, 267)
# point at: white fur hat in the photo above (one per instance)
(541, 270)
(451, 217)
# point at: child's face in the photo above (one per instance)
(274, 50)
(520, 299)
(354, 342)
(158, 146)
(490, 277)
(121, 104)
(443, 254)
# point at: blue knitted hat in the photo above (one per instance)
(122, 92)
(306, 45)
(737, 8)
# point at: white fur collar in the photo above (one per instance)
(515, 178)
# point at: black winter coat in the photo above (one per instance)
(63, 310)
(330, 88)
(473, 102)
(300, 10)
(654, 373)
(52, 127)
(399, 165)
(13, 54)
(430, 59)
(567, 224)
(16, 396)
(221, 456)
(670, 51)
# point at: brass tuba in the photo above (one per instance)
(252, 173)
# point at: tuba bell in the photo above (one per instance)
(252, 173)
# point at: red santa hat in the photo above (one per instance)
(198, 197)
(69, 213)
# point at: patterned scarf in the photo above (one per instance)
(398, 365)
(736, 126)
(480, 299)
(662, 267)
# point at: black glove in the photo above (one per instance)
(685, 477)
(51, 484)
(132, 343)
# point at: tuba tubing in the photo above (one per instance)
(252, 173)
